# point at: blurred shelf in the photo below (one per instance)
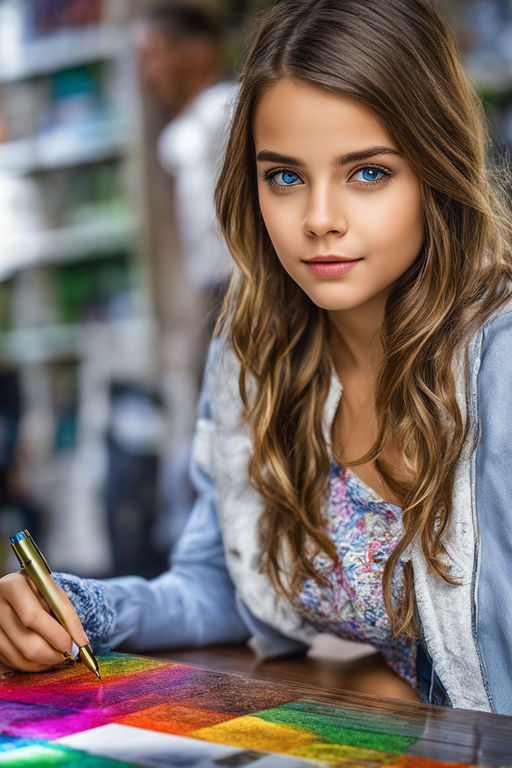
(63, 149)
(61, 51)
(91, 339)
(57, 246)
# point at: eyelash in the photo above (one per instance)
(268, 177)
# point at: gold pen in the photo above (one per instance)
(33, 562)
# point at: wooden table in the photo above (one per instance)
(450, 735)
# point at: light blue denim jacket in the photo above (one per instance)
(197, 602)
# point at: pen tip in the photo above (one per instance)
(88, 658)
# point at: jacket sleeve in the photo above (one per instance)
(493, 494)
(192, 604)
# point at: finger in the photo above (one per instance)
(36, 591)
(30, 644)
(34, 658)
(73, 623)
(26, 606)
(4, 668)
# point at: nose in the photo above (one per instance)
(324, 213)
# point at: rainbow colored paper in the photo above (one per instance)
(254, 717)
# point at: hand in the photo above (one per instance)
(31, 639)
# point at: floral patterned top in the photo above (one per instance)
(365, 530)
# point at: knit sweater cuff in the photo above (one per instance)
(89, 601)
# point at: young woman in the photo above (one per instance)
(351, 447)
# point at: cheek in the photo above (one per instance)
(398, 225)
(265, 210)
(278, 222)
(411, 223)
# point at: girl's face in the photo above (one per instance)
(341, 204)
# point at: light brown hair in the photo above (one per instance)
(398, 59)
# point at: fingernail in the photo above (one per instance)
(75, 650)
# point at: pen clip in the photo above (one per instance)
(32, 542)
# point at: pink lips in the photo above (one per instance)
(330, 266)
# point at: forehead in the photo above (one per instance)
(298, 117)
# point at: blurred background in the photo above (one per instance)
(109, 142)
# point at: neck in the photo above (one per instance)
(355, 338)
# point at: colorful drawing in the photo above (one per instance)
(134, 691)
(172, 714)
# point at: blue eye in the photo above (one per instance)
(285, 178)
(369, 174)
(289, 177)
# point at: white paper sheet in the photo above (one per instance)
(163, 750)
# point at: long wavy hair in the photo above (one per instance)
(398, 59)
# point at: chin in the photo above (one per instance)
(331, 303)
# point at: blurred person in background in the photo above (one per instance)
(181, 65)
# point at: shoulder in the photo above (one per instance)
(222, 384)
(181, 143)
(494, 346)
(490, 374)
(220, 439)
(498, 329)
(222, 364)
(212, 103)
(198, 133)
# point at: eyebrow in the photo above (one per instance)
(350, 157)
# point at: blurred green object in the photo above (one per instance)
(5, 307)
(94, 290)
(79, 81)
